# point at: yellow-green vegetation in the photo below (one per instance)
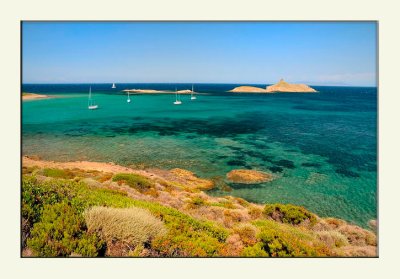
(57, 173)
(136, 181)
(185, 235)
(282, 240)
(61, 232)
(72, 212)
(288, 213)
(132, 226)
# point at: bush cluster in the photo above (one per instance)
(186, 236)
(61, 231)
(139, 182)
(288, 213)
(133, 225)
(279, 240)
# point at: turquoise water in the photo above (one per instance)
(321, 148)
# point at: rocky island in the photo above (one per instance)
(152, 91)
(33, 96)
(281, 86)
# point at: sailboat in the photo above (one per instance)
(129, 99)
(91, 104)
(193, 97)
(113, 86)
(177, 101)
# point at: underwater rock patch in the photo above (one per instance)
(244, 176)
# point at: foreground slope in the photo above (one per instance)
(101, 209)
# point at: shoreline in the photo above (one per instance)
(152, 91)
(111, 167)
(34, 96)
(183, 191)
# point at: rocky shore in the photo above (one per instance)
(194, 223)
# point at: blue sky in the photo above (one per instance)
(317, 53)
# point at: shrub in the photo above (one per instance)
(281, 240)
(358, 236)
(334, 223)
(255, 251)
(255, 212)
(58, 173)
(247, 233)
(197, 201)
(333, 238)
(132, 226)
(186, 235)
(139, 182)
(288, 213)
(61, 232)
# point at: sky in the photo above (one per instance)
(316, 53)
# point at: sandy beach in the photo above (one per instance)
(152, 91)
(33, 96)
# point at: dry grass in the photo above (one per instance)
(132, 226)
(358, 236)
(334, 223)
(247, 233)
(255, 212)
(333, 239)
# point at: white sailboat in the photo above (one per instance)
(113, 86)
(193, 97)
(177, 101)
(91, 104)
(129, 99)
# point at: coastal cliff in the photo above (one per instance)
(102, 209)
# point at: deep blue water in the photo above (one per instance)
(321, 147)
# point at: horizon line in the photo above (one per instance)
(235, 83)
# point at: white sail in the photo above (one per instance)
(177, 102)
(193, 97)
(91, 104)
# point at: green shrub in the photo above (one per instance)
(61, 231)
(132, 225)
(58, 173)
(35, 196)
(136, 181)
(255, 251)
(288, 213)
(187, 235)
(247, 233)
(281, 240)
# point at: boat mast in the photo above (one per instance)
(90, 95)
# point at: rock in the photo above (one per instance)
(248, 176)
(283, 86)
(372, 225)
(248, 89)
(191, 180)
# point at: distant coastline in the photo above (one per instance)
(34, 96)
(152, 91)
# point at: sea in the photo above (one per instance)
(320, 147)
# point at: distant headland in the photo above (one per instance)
(281, 86)
(33, 96)
(152, 91)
